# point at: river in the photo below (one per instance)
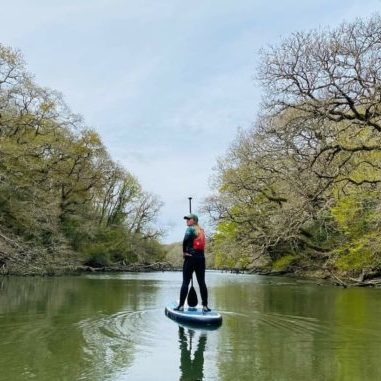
(113, 327)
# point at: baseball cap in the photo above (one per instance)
(191, 216)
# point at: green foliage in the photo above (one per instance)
(357, 213)
(97, 255)
(174, 254)
(115, 245)
(225, 248)
(359, 221)
(283, 262)
(58, 185)
(306, 179)
(355, 257)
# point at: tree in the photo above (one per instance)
(59, 189)
(329, 76)
(316, 143)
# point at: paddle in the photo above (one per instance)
(192, 296)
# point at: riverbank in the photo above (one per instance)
(319, 277)
(73, 269)
(18, 257)
(325, 275)
(29, 261)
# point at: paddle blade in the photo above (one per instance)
(192, 297)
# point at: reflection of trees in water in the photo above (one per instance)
(59, 328)
(298, 332)
(192, 369)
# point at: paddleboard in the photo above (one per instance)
(194, 316)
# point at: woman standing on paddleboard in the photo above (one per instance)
(194, 261)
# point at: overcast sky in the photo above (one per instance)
(166, 83)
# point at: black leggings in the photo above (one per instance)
(196, 264)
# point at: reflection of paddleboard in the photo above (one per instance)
(194, 316)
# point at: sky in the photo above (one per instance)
(166, 83)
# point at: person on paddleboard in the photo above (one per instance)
(194, 261)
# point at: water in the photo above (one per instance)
(113, 327)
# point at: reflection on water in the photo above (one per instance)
(191, 364)
(113, 327)
(71, 328)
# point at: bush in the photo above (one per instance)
(283, 262)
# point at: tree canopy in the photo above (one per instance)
(302, 186)
(60, 192)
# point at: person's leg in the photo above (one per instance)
(187, 274)
(199, 269)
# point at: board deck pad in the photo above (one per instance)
(194, 316)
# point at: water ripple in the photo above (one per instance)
(124, 327)
(112, 341)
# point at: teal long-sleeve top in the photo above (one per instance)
(190, 235)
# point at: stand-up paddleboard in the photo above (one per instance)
(194, 316)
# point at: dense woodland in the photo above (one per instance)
(64, 202)
(300, 190)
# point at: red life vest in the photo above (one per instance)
(199, 241)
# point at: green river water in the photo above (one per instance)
(113, 327)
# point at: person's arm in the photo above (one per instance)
(190, 234)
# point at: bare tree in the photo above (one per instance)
(332, 81)
(333, 74)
